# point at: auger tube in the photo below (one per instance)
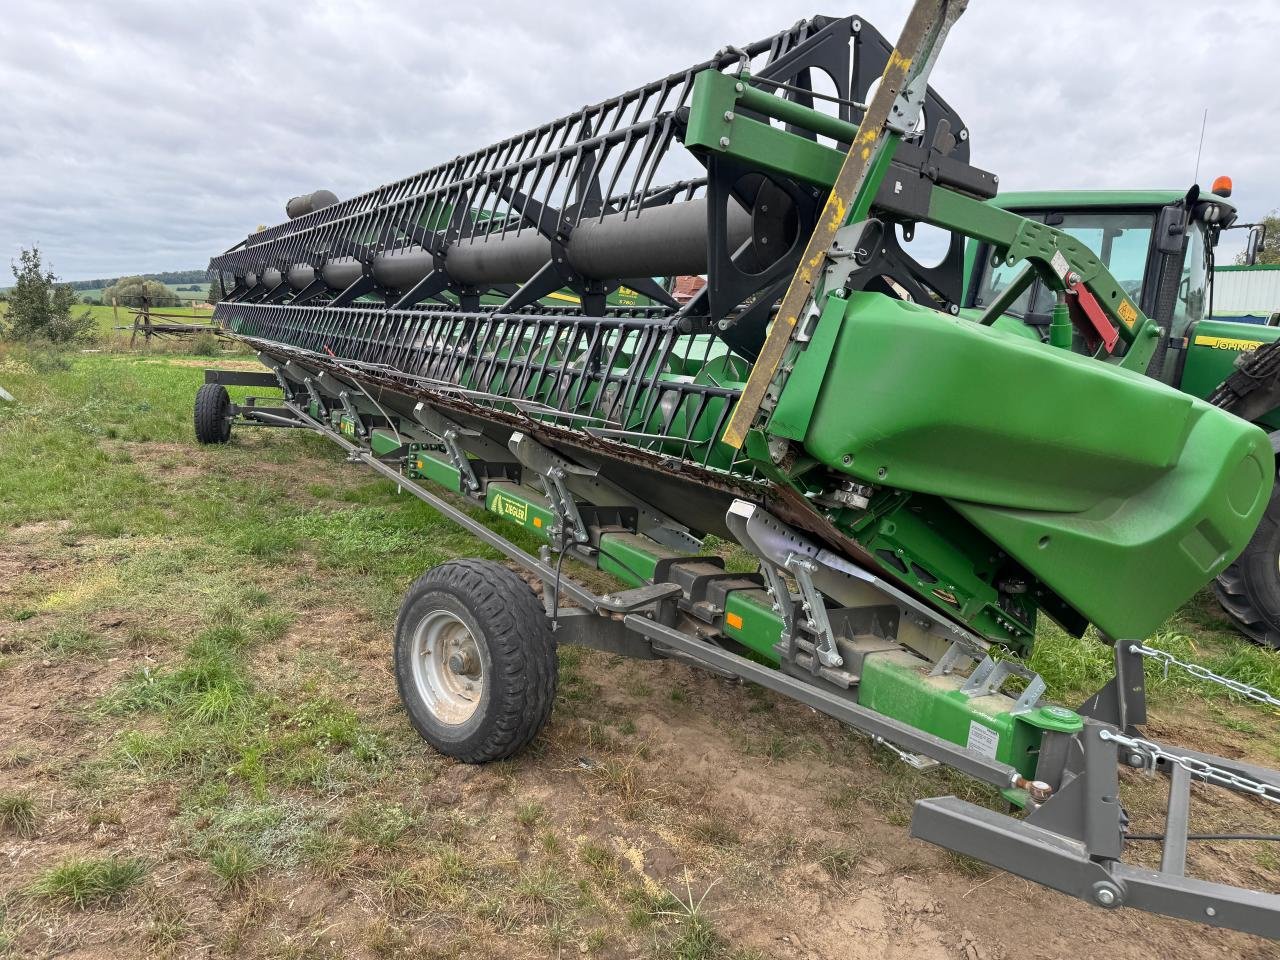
(659, 242)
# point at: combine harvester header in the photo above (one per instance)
(918, 486)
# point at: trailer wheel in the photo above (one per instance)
(1249, 589)
(213, 414)
(475, 660)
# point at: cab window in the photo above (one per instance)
(1193, 291)
(1120, 240)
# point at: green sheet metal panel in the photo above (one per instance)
(424, 466)
(1212, 350)
(1126, 564)
(749, 619)
(715, 124)
(630, 557)
(1120, 494)
(1062, 200)
(923, 401)
(521, 505)
(383, 442)
(898, 685)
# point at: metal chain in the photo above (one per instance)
(1197, 768)
(1204, 673)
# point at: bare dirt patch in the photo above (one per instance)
(178, 467)
(653, 784)
(222, 363)
(905, 898)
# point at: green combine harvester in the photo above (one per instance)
(1160, 244)
(919, 479)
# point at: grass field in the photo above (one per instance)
(202, 754)
(112, 325)
(107, 319)
(95, 293)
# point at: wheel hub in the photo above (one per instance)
(448, 670)
(462, 662)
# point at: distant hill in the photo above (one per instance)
(176, 279)
(171, 277)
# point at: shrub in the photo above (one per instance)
(39, 308)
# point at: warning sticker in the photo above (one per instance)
(983, 739)
(1127, 312)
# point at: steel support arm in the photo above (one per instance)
(1050, 859)
(1054, 254)
(998, 774)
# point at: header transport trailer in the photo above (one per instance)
(918, 487)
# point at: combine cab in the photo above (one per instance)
(918, 488)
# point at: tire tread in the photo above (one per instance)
(211, 407)
(1249, 589)
(521, 647)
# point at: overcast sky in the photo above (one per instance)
(144, 136)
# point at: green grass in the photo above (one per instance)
(68, 641)
(528, 814)
(379, 824)
(545, 889)
(840, 863)
(1074, 668)
(692, 934)
(234, 864)
(17, 813)
(90, 881)
(222, 725)
(258, 584)
(8, 934)
(166, 923)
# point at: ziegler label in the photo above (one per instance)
(1228, 343)
(514, 509)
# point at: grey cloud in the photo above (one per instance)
(112, 161)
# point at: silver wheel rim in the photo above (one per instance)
(448, 670)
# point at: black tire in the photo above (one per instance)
(213, 414)
(511, 634)
(1249, 589)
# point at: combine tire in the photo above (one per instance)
(213, 414)
(1249, 589)
(475, 660)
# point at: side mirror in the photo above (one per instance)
(1257, 236)
(1171, 228)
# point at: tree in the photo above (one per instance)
(1269, 252)
(39, 307)
(130, 291)
(215, 289)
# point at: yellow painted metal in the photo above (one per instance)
(848, 200)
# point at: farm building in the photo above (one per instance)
(1246, 293)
